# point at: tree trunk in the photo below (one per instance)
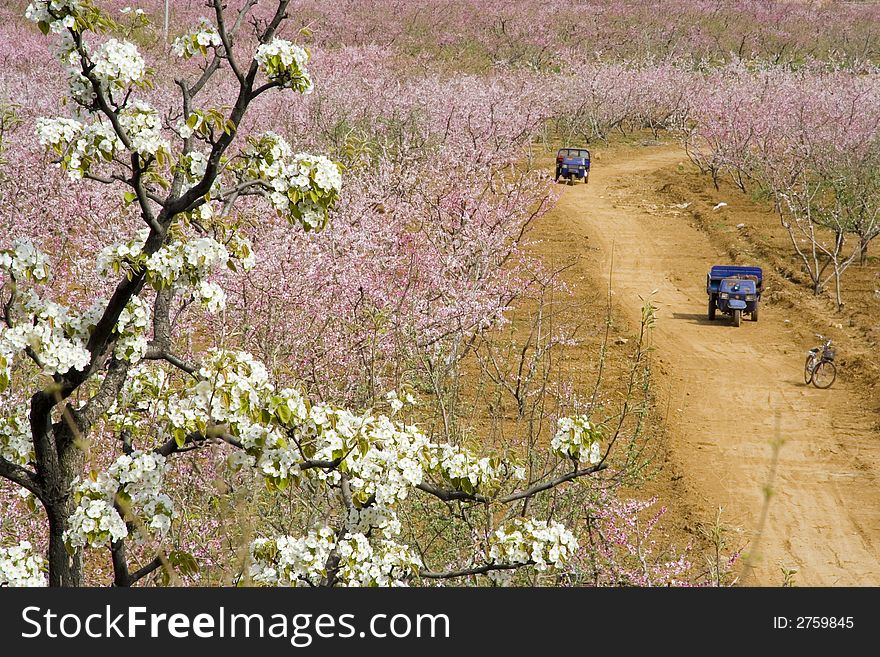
(64, 569)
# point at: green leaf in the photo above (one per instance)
(44, 27)
(129, 197)
(284, 414)
(184, 562)
(179, 436)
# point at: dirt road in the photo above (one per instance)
(728, 388)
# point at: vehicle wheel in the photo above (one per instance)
(711, 307)
(755, 313)
(570, 182)
(737, 317)
(808, 370)
(824, 374)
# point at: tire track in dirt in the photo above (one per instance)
(729, 388)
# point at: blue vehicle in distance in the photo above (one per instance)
(734, 291)
(573, 163)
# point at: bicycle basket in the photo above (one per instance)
(828, 353)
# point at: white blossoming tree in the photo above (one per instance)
(118, 359)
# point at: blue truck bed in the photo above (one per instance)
(719, 272)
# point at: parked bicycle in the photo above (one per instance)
(820, 369)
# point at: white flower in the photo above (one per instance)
(576, 438)
(118, 63)
(211, 296)
(285, 64)
(198, 41)
(59, 19)
(289, 561)
(16, 442)
(19, 567)
(57, 132)
(524, 541)
(138, 477)
(143, 125)
(24, 261)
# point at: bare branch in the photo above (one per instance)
(226, 39)
(553, 483)
(477, 570)
(450, 495)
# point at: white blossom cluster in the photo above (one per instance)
(16, 442)
(181, 264)
(53, 334)
(80, 87)
(289, 561)
(131, 341)
(80, 146)
(193, 165)
(139, 476)
(133, 479)
(302, 186)
(143, 125)
(57, 132)
(94, 523)
(242, 250)
(118, 64)
(198, 41)
(57, 15)
(20, 567)
(123, 256)
(25, 262)
(379, 563)
(285, 64)
(185, 263)
(397, 403)
(372, 518)
(390, 466)
(142, 402)
(523, 541)
(461, 469)
(230, 389)
(576, 438)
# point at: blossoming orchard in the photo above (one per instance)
(254, 271)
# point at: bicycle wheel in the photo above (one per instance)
(808, 370)
(824, 374)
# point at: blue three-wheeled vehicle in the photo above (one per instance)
(734, 291)
(573, 163)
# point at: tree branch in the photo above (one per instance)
(226, 39)
(158, 353)
(478, 570)
(547, 485)
(450, 495)
(21, 476)
(197, 439)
